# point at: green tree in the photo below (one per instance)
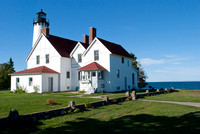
(141, 73)
(5, 69)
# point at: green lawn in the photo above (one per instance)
(127, 117)
(182, 95)
(28, 103)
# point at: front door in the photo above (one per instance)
(50, 83)
(94, 79)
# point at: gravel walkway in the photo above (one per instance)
(175, 102)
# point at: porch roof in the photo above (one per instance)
(36, 70)
(92, 66)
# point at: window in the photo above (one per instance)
(37, 59)
(30, 81)
(47, 58)
(96, 55)
(17, 81)
(133, 78)
(68, 74)
(93, 73)
(79, 75)
(100, 74)
(118, 73)
(79, 58)
(128, 63)
(122, 59)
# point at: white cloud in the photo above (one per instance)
(149, 61)
(169, 59)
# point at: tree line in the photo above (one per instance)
(5, 70)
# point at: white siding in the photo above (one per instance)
(76, 65)
(125, 71)
(104, 60)
(24, 82)
(45, 82)
(65, 83)
(44, 47)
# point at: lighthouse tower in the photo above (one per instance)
(39, 23)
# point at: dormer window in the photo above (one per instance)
(122, 59)
(37, 59)
(79, 58)
(96, 55)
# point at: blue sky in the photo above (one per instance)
(163, 34)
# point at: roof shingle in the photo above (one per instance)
(92, 66)
(62, 45)
(36, 70)
(115, 48)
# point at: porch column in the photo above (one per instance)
(90, 75)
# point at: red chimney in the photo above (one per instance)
(92, 33)
(45, 31)
(85, 39)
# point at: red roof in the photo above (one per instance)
(36, 70)
(115, 48)
(63, 46)
(92, 66)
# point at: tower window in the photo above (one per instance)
(79, 58)
(96, 55)
(47, 58)
(37, 59)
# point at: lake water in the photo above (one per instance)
(187, 85)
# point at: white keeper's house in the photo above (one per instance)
(58, 64)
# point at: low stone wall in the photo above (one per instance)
(14, 119)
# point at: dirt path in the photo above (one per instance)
(175, 102)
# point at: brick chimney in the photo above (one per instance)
(85, 39)
(92, 33)
(45, 31)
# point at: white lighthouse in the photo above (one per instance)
(39, 23)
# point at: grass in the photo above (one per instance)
(96, 94)
(181, 95)
(61, 93)
(28, 103)
(126, 117)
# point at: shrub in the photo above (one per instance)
(36, 88)
(20, 89)
(87, 104)
(51, 101)
(83, 91)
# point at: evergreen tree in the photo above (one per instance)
(5, 69)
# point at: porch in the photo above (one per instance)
(91, 78)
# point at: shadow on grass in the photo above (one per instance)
(141, 123)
